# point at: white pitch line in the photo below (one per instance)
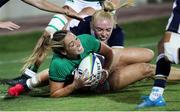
(16, 61)
(8, 62)
(146, 45)
(2, 96)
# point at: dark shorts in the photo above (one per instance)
(105, 87)
(174, 20)
(101, 88)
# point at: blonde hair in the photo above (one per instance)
(44, 44)
(104, 13)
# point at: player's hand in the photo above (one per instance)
(9, 25)
(104, 76)
(80, 79)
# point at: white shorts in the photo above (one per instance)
(78, 5)
(171, 48)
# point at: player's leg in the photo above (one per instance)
(40, 79)
(129, 74)
(161, 73)
(168, 50)
(174, 74)
(126, 56)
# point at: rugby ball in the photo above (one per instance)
(93, 67)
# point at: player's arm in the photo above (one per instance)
(58, 89)
(45, 5)
(50, 7)
(107, 52)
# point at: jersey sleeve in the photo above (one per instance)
(91, 43)
(58, 71)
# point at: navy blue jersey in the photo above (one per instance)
(116, 38)
(174, 21)
(2, 2)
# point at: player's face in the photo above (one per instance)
(73, 45)
(103, 29)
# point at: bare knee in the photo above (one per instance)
(149, 55)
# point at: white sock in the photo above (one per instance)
(156, 93)
(33, 82)
(56, 24)
(29, 72)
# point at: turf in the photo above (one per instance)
(14, 48)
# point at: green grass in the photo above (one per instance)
(138, 34)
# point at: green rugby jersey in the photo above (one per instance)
(61, 68)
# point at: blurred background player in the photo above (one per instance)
(169, 52)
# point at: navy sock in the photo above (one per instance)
(162, 72)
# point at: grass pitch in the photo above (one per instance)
(138, 34)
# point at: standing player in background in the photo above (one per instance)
(40, 4)
(169, 52)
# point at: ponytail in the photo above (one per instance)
(104, 13)
(108, 6)
(39, 52)
(44, 44)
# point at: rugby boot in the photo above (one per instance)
(21, 79)
(18, 89)
(148, 103)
